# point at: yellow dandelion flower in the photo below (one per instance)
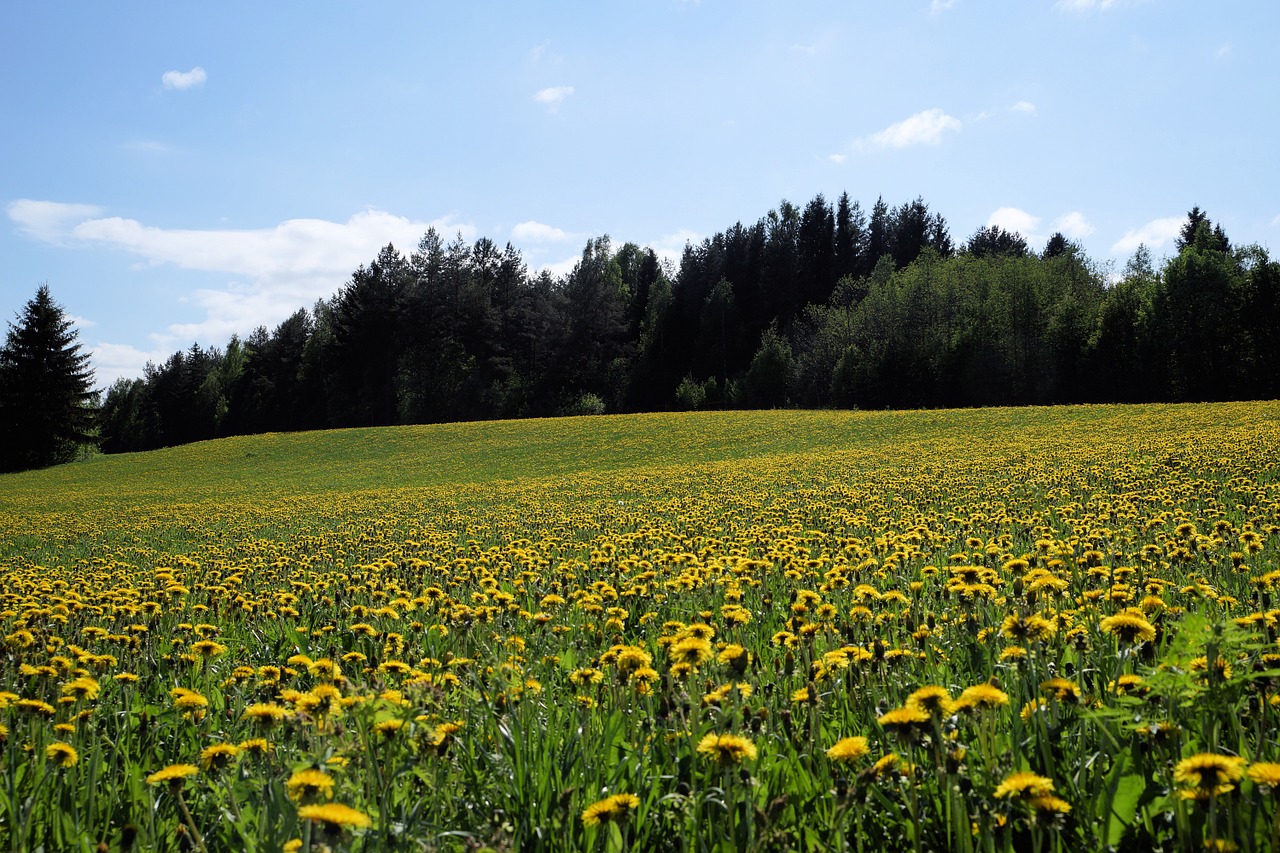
(933, 700)
(334, 815)
(727, 748)
(1129, 627)
(1265, 774)
(1024, 786)
(310, 782)
(848, 750)
(174, 773)
(614, 809)
(62, 754)
(218, 756)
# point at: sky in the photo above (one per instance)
(181, 172)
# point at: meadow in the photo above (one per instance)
(1033, 629)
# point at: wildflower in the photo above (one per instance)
(1024, 786)
(387, 728)
(1207, 774)
(905, 721)
(174, 773)
(208, 648)
(1062, 689)
(848, 750)
(727, 749)
(614, 809)
(35, 706)
(82, 688)
(1129, 627)
(311, 782)
(256, 746)
(264, 714)
(334, 815)
(218, 756)
(62, 754)
(188, 700)
(691, 650)
(1033, 628)
(1265, 774)
(981, 697)
(933, 700)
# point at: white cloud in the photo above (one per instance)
(1085, 5)
(1073, 225)
(537, 232)
(48, 221)
(1024, 107)
(836, 158)
(1224, 51)
(937, 7)
(670, 248)
(184, 79)
(553, 96)
(1276, 220)
(1014, 220)
(559, 269)
(121, 361)
(272, 271)
(923, 128)
(1153, 235)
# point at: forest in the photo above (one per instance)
(823, 306)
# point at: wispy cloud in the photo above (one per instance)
(923, 128)
(553, 96)
(48, 221)
(538, 232)
(937, 7)
(1073, 225)
(271, 272)
(1153, 235)
(1085, 5)
(184, 79)
(1015, 220)
(1024, 107)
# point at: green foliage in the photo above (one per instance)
(47, 401)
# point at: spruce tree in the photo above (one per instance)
(47, 401)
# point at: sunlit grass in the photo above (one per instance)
(693, 631)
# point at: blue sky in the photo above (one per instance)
(181, 172)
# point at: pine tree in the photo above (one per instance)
(47, 401)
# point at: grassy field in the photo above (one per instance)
(1001, 629)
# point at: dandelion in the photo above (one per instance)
(933, 700)
(218, 756)
(62, 754)
(334, 815)
(985, 697)
(905, 721)
(85, 688)
(1024, 786)
(613, 809)
(1129, 627)
(264, 714)
(727, 749)
(848, 750)
(309, 783)
(1207, 775)
(388, 728)
(1265, 774)
(173, 774)
(256, 746)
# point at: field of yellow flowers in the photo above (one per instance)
(1004, 629)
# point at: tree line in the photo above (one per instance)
(821, 306)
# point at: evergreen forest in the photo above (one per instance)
(824, 305)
